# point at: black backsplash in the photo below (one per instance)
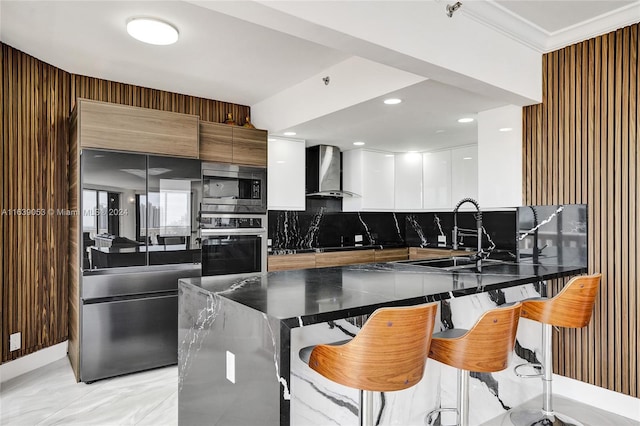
(319, 228)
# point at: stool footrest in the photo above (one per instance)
(433, 415)
(535, 365)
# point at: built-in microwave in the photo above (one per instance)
(232, 188)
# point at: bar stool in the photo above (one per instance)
(486, 348)
(389, 353)
(572, 308)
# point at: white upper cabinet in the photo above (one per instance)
(371, 175)
(286, 174)
(464, 173)
(436, 177)
(408, 181)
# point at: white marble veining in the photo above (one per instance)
(318, 401)
(411, 220)
(528, 232)
(194, 336)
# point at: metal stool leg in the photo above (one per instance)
(462, 402)
(546, 416)
(463, 398)
(365, 414)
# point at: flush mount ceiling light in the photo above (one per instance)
(289, 133)
(392, 101)
(465, 120)
(505, 129)
(359, 143)
(152, 31)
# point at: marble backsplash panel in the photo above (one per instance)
(553, 235)
(293, 230)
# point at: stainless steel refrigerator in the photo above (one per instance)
(139, 234)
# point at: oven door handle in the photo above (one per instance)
(246, 231)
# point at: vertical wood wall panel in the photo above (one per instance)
(35, 101)
(39, 266)
(584, 148)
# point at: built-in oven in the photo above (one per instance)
(233, 243)
(234, 188)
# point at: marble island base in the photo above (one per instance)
(240, 366)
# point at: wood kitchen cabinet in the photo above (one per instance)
(287, 262)
(233, 144)
(334, 258)
(391, 254)
(216, 142)
(105, 125)
(250, 146)
(418, 253)
(340, 258)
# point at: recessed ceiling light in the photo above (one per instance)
(468, 158)
(389, 155)
(280, 161)
(358, 143)
(289, 133)
(152, 31)
(271, 140)
(505, 129)
(392, 101)
(465, 120)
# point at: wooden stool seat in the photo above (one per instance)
(570, 308)
(389, 353)
(486, 347)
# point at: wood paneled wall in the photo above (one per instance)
(35, 105)
(127, 94)
(581, 145)
(39, 171)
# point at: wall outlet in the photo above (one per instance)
(15, 341)
(442, 240)
(231, 367)
(358, 239)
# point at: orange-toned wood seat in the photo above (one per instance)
(389, 353)
(486, 347)
(571, 308)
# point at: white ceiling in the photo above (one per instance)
(425, 120)
(230, 59)
(554, 16)
(217, 56)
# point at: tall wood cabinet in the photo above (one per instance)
(105, 125)
(233, 144)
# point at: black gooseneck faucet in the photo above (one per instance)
(478, 256)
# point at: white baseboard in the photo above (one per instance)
(30, 362)
(604, 399)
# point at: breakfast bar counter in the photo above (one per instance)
(239, 338)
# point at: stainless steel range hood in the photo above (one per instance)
(323, 172)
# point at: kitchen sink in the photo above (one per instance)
(452, 263)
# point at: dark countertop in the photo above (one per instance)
(144, 248)
(316, 295)
(280, 251)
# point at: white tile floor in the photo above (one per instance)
(51, 396)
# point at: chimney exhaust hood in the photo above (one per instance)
(323, 172)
